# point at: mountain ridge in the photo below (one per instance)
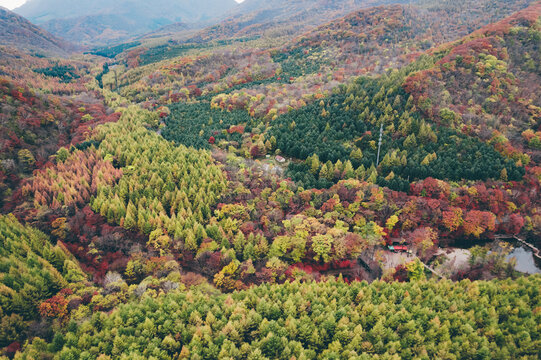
(102, 21)
(255, 17)
(16, 31)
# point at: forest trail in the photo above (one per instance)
(432, 270)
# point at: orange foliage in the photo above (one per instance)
(55, 307)
(478, 222)
(452, 219)
(72, 182)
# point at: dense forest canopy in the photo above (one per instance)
(328, 320)
(360, 188)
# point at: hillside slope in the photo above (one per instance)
(195, 201)
(105, 21)
(488, 84)
(18, 32)
(257, 17)
(332, 319)
(31, 270)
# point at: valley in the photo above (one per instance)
(271, 180)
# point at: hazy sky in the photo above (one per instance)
(12, 4)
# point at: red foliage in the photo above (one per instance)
(55, 307)
(66, 292)
(432, 188)
(63, 185)
(133, 58)
(12, 348)
(525, 17)
(255, 152)
(317, 267)
(452, 219)
(477, 222)
(194, 91)
(48, 120)
(236, 129)
(113, 243)
(401, 273)
(248, 227)
(329, 205)
(515, 224)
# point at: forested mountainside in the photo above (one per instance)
(99, 21)
(364, 42)
(258, 17)
(330, 320)
(45, 105)
(367, 188)
(16, 31)
(500, 65)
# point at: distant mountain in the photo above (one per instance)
(104, 21)
(255, 17)
(171, 31)
(293, 17)
(17, 32)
